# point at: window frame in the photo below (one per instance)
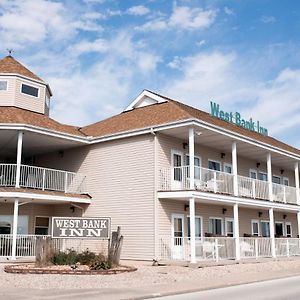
(258, 227)
(285, 228)
(186, 155)
(6, 80)
(227, 165)
(261, 222)
(253, 171)
(216, 161)
(264, 173)
(222, 224)
(229, 220)
(288, 181)
(49, 223)
(38, 88)
(179, 153)
(201, 224)
(276, 176)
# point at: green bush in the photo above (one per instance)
(68, 257)
(86, 257)
(100, 262)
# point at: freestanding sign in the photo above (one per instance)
(80, 228)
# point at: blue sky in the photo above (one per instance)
(97, 55)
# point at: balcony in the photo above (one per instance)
(42, 179)
(206, 180)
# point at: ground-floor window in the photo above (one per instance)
(288, 229)
(265, 228)
(279, 229)
(41, 225)
(216, 226)
(198, 227)
(255, 227)
(6, 224)
(229, 227)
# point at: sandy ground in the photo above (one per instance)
(151, 276)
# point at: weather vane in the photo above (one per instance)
(10, 51)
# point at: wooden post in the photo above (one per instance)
(115, 247)
(43, 250)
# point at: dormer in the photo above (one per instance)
(21, 88)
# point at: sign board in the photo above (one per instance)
(81, 228)
(237, 119)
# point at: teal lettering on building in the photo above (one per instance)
(236, 118)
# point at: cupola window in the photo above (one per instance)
(3, 85)
(30, 90)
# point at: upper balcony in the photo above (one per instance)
(44, 179)
(206, 180)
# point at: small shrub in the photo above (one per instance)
(65, 258)
(86, 257)
(100, 262)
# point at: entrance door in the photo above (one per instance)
(177, 236)
(177, 170)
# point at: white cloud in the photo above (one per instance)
(201, 43)
(98, 45)
(228, 11)
(139, 10)
(182, 17)
(268, 19)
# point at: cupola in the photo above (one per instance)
(21, 88)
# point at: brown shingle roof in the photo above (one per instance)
(167, 112)
(21, 116)
(9, 65)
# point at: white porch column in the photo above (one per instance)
(234, 169)
(19, 158)
(192, 230)
(297, 182)
(269, 168)
(192, 158)
(272, 231)
(236, 231)
(15, 228)
(298, 223)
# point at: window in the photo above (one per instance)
(30, 90)
(278, 229)
(216, 226)
(41, 226)
(288, 229)
(3, 85)
(214, 165)
(6, 224)
(265, 228)
(229, 227)
(177, 164)
(263, 176)
(255, 227)
(253, 174)
(276, 179)
(198, 227)
(227, 168)
(197, 166)
(285, 181)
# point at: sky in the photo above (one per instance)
(98, 55)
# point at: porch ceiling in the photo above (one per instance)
(33, 143)
(223, 144)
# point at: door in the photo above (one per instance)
(177, 170)
(177, 236)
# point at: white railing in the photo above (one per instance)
(284, 194)
(253, 188)
(222, 248)
(207, 248)
(26, 245)
(178, 178)
(43, 179)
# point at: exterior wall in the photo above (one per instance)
(120, 179)
(167, 143)
(169, 207)
(36, 104)
(7, 98)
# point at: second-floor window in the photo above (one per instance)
(29, 90)
(3, 85)
(197, 166)
(263, 176)
(276, 179)
(214, 165)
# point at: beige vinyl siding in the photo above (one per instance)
(36, 104)
(120, 180)
(7, 98)
(169, 207)
(167, 143)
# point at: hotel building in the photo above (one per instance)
(181, 183)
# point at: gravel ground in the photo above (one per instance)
(146, 275)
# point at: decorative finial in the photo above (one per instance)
(10, 51)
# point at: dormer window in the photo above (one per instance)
(29, 90)
(3, 85)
